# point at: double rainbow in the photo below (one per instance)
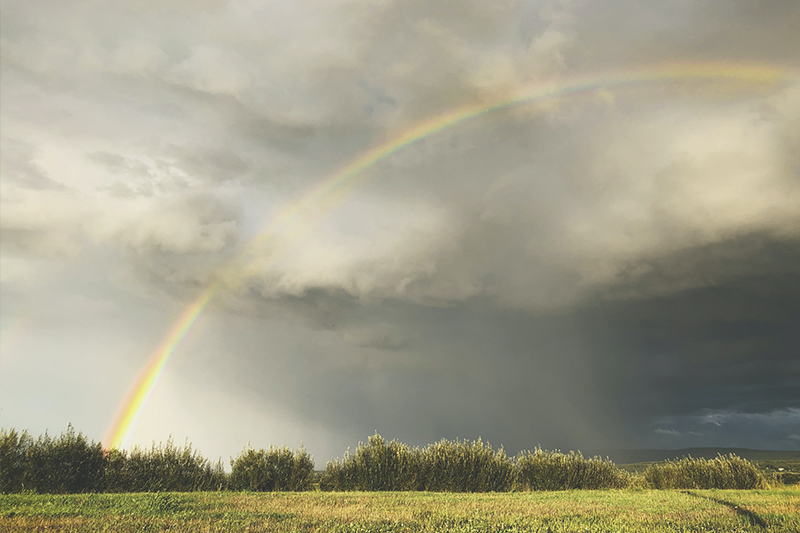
(336, 186)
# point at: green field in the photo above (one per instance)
(728, 511)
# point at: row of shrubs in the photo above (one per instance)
(723, 472)
(71, 463)
(462, 466)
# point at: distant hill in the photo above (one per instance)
(650, 456)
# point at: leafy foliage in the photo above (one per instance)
(14, 448)
(724, 472)
(788, 478)
(73, 464)
(460, 466)
(457, 466)
(278, 469)
(162, 468)
(69, 463)
(541, 470)
(376, 466)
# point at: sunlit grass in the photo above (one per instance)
(776, 510)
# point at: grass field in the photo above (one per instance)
(776, 510)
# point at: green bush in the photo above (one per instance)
(14, 449)
(541, 470)
(463, 466)
(376, 466)
(69, 463)
(278, 469)
(162, 468)
(460, 466)
(446, 466)
(722, 472)
(788, 478)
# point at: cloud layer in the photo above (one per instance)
(599, 271)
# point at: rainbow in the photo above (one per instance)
(335, 187)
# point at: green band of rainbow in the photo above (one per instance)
(333, 189)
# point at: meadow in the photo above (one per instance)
(69, 483)
(587, 511)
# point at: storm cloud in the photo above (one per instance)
(615, 270)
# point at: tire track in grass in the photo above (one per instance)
(752, 517)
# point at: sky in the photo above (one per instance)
(613, 268)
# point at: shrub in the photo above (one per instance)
(445, 466)
(69, 463)
(164, 467)
(278, 469)
(541, 470)
(376, 466)
(722, 472)
(460, 466)
(14, 448)
(788, 478)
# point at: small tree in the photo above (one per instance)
(276, 469)
(722, 472)
(166, 467)
(69, 463)
(542, 470)
(14, 448)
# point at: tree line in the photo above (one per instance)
(72, 463)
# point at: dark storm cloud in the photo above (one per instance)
(513, 379)
(608, 373)
(776, 429)
(612, 271)
(726, 343)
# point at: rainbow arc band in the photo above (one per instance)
(335, 187)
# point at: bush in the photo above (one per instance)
(69, 463)
(722, 472)
(14, 448)
(162, 468)
(788, 478)
(541, 470)
(445, 466)
(278, 469)
(376, 466)
(460, 466)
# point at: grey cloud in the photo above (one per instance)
(58, 224)
(133, 178)
(600, 271)
(752, 430)
(538, 223)
(632, 32)
(18, 166)
(198, 223)
(725, 345)
(207, 165)
(600, 373)
(380, 336)
(213, 164)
